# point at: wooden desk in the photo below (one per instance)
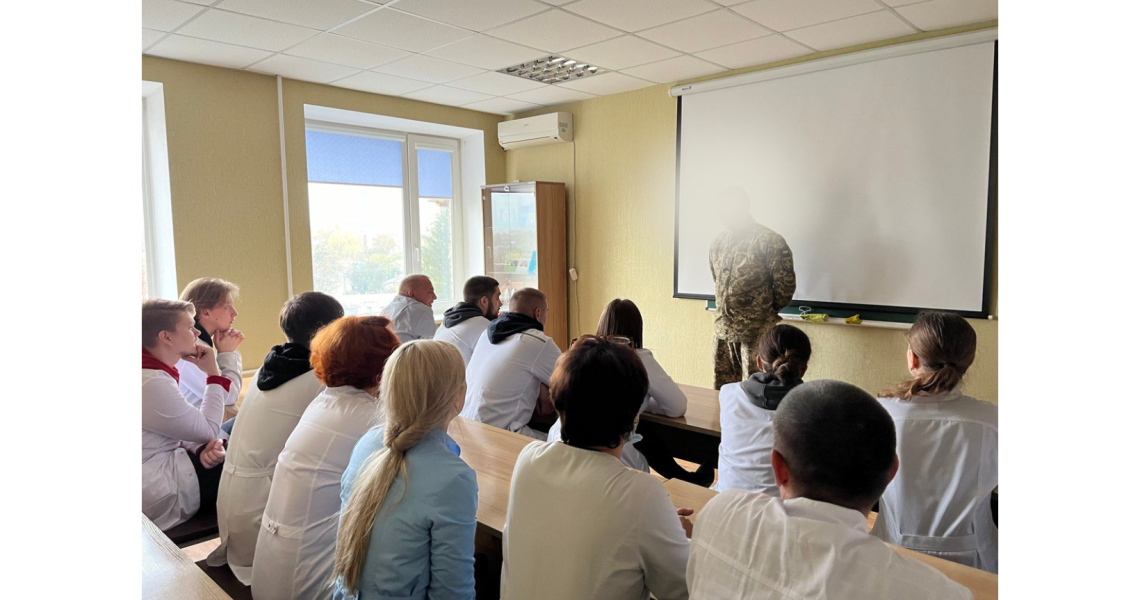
(492, 452)
(167, 573)
(702, 415)
(983, 585)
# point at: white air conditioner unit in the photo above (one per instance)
(536, 131)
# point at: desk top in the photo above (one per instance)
(702, 415)
(167, 573)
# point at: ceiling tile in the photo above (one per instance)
(477, 15)
(501, 106)
(497, 84)
(938, 14)
(735, 2)
(554, 31)
(337, 49)
(166, 15)
(754, 52)
(902, 2)
(318, 14)
(426, 68)
(203, 2)
(206, 52)
(702, 32)
(441, 94)
(635, 15)
(783, 15)
(552, 94)
(302, 69)
(622, 52)
(487, 52)
(673, 69)
(852, 32)
(558, 2)
(233, 28)
(378, 83)
(606, 83)
(401, 30)
(150, 36)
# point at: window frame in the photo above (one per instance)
(158, 224)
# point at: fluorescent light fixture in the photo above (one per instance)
(551, 69)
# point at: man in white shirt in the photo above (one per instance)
(214, 315)
(464, 323)
(410, 311)
(511, 366)
(833, 456)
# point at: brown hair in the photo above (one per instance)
(526, 300)
(621, 317)
(785, 351)
(598, 387)
(944, 344)
(207, 293)
(160, 315)
(352, 351)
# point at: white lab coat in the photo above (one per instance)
(266, 420)
(746, 438)
(294, 553)
(939, 502)
(411, 319)
(581, 525)
(664, 398)
(192, 380)
(464, 335)
(503, 380)
(752, 545)
(170, 428)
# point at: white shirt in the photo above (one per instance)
(939, 502)
(294, 553)
(581, 525)
(664, 398)
(753, 546)
(464, 335)
(170, 428)
(503, 379)
(746, 438)
(192, 380)
(265, 421)
(411, 319)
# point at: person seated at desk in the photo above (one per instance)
(948, 450)
(410, 311)
(579, 523)
(214, 315)
(747, 408)
(621, 323)
(408, 502)
(293, 557)
(511, 367)
(834, 455)
(181, 452)
(281, 391)
(464, 323)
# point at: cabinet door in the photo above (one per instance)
(513, 239)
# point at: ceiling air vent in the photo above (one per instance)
(552, 69)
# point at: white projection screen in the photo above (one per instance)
(877, 173)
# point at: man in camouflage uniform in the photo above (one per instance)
(754, 276)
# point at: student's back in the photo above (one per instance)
(464, 335)
(467, 321)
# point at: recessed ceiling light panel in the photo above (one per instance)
(552, 69)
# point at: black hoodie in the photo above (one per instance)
(509, 324)
(283, 363)
(202, 335)
(460, 313)
(766, 391)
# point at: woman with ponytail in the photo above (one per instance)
(407, 522)
(939, 503)
(747, 408)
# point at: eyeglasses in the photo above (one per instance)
(620, 340)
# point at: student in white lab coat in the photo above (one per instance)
(467, 321)
(281, 391)
(747, 408)
(410, 311)
(948, 450)
(579, 523)
(511, 367)
(294, 553)
(834, 454)
(180, 446)
(213, 301)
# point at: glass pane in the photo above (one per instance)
(434, 178)
(514, 241)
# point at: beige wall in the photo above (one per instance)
(624, 194)
(225, 179)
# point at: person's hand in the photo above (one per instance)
(212, 454)
(205, 358)
(684, 513)
(228, 340)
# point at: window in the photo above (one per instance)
(158, 274)
(381, 206)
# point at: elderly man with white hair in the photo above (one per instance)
(410, 311)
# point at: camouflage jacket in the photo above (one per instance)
(754, 278)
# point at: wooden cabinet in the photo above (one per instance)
(524, 245)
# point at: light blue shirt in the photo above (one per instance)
(423, 542)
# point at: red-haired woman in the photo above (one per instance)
(294, 553)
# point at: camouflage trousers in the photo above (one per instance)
(734, 362)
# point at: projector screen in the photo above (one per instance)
(876, 173)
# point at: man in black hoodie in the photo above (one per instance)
(466, 321)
